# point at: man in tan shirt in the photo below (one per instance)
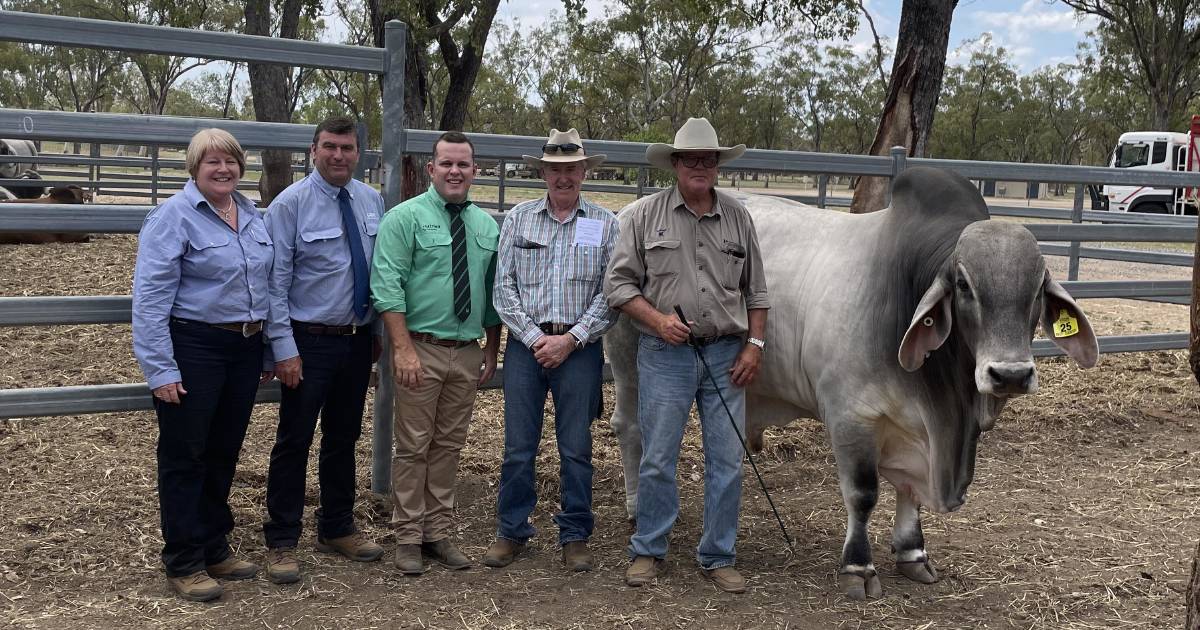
(694, 247)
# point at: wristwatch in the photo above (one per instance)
(578, 341)
(762, 345)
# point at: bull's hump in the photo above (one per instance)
(925, 191)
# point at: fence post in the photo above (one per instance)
(1076, 217)
(361, 168)
(94, 169)
(154, 174)
(394, 141)
(822, 189)
(502, 171)
(899, 163)
(642, 172)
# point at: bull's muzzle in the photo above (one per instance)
(1006, 378)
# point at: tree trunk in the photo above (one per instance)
(269, 88)
(464, 67)
(913, 91)
(1193, 594)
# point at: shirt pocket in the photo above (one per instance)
(432, 253)
(662, 258)
(211, 257)
(371, 226)
(531, 261)
(261, 251)
(323, 250)
(735, 259)
(586, 263)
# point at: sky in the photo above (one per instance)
(1035, 32)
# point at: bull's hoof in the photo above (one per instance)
(859, 583)
(918, 571)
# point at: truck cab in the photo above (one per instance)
(1153, 151)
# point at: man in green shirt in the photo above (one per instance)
(431, 280)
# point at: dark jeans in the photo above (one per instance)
(199, 440)
(336, 372)
(575, 386)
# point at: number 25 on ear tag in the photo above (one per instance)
(1065, 325)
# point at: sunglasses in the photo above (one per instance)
(565, 148)
(690, 161)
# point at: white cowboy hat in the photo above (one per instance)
(697, 134)
(563, 147)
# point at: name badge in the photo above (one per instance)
(588, 232)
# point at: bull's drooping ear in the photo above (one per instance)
(1066, 325)
(929, 327)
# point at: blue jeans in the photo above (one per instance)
(669, 379)
(575, 387)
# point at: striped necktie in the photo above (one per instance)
(458, 255)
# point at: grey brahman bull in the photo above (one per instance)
(904, 331)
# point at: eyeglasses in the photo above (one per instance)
(565, 148)
(691, 161)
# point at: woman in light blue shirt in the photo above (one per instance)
(199, 303)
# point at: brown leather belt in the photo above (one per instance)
(555, 329)
(247, 329)
(322, 329)
(445, 343)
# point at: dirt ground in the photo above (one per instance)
(1082, 513)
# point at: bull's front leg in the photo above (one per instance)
(629, 436)
(908, 542)
(857, 461)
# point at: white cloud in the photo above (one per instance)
(1036, 34)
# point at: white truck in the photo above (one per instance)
(1156, 151)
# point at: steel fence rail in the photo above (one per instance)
(1122, 255)
(117, 309)
(88, 399)
(164, 40)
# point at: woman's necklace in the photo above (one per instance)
(226, 213)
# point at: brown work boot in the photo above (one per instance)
(408, 559)
(726, 578)
(356, 546)
(282, 566)
(232, 569)
(577, 556)
(644, 570)
(502, 552)
(197, 587)
(446, 554)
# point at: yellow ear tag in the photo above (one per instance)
(1065, 325)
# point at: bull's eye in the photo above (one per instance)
(964, 289)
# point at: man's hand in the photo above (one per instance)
(406, 367)
(488, 369)
(170, 392)
(290, 372)
(265, 376)
(551, 350)
(670, 329)
(745, 368)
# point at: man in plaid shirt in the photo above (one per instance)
(549, 276)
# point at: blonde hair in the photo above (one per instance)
(213, 139)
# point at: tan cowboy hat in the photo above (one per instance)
(697, 134)
(563, 147)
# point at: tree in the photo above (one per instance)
(976, 104)
(1159, 42)
(913, 89)
(273, 88)
(460, 31)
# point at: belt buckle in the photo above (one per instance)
(353, 329)
(246, 332)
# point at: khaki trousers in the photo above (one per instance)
(430, 428)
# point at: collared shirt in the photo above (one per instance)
(711, 266)
(191, 265)
(410, 272)
(545, 274)
(313, 278)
